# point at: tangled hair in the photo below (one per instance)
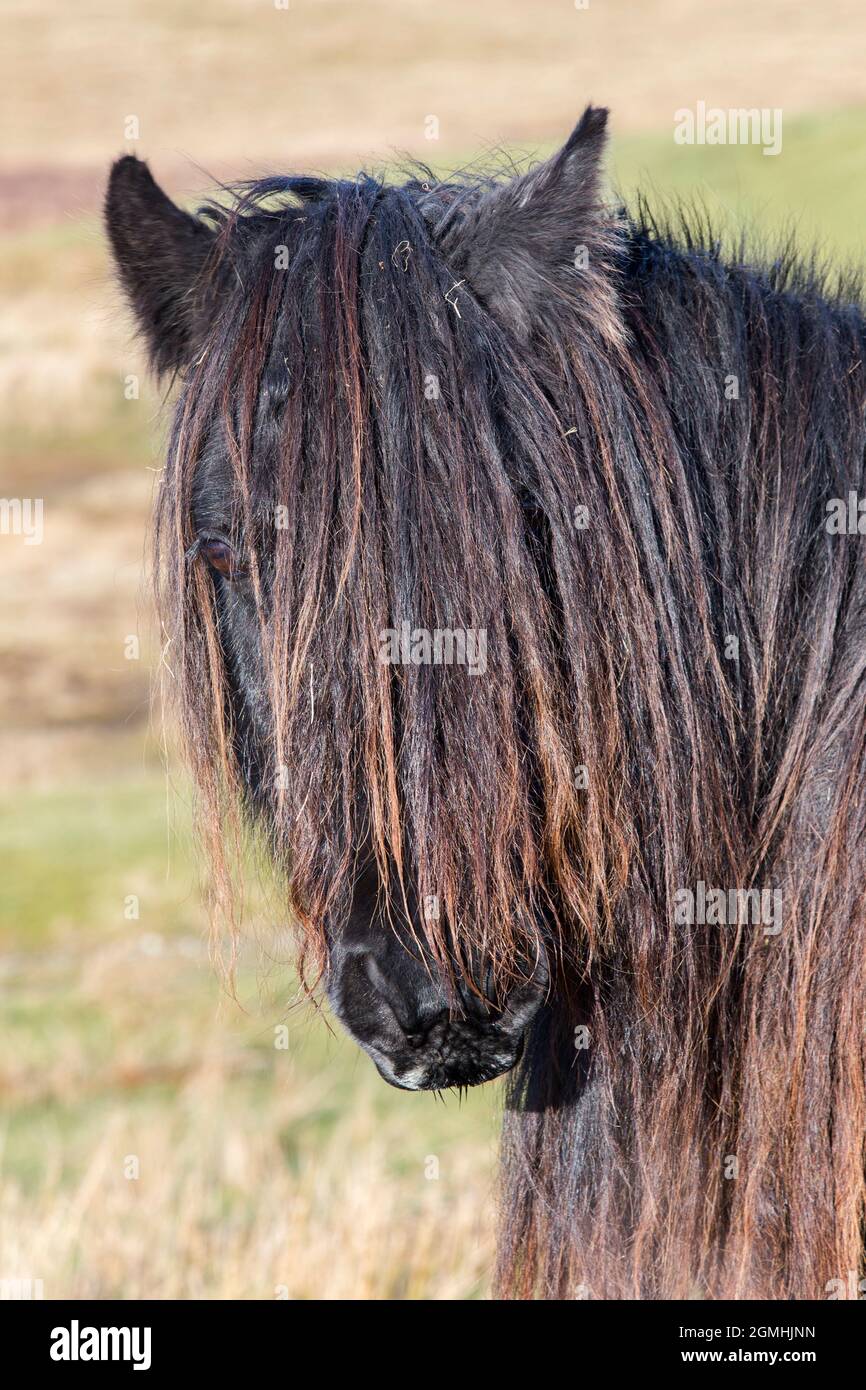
(617, 465)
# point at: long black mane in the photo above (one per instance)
(499, 405)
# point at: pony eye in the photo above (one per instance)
(222, 557)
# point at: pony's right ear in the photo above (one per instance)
(161, 254)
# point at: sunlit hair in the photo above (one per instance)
(588, 493)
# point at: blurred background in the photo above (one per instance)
(157, 1138)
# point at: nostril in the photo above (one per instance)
(416, 1003)
(479, 999)
(386, 989)
(524, 1002)
(490, 984)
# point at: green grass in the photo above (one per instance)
(79, 852)
(814, 187)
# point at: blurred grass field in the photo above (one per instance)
(154, 1141)
(160, 1139)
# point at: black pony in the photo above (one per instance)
(510, 549)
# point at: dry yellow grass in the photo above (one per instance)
(323, 81)
(218, 1212)
(159, 1140)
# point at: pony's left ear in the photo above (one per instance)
(162, 256)
(520, 240)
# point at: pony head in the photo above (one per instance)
(365, 538)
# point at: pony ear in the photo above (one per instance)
(161, 253)
(520, 240)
